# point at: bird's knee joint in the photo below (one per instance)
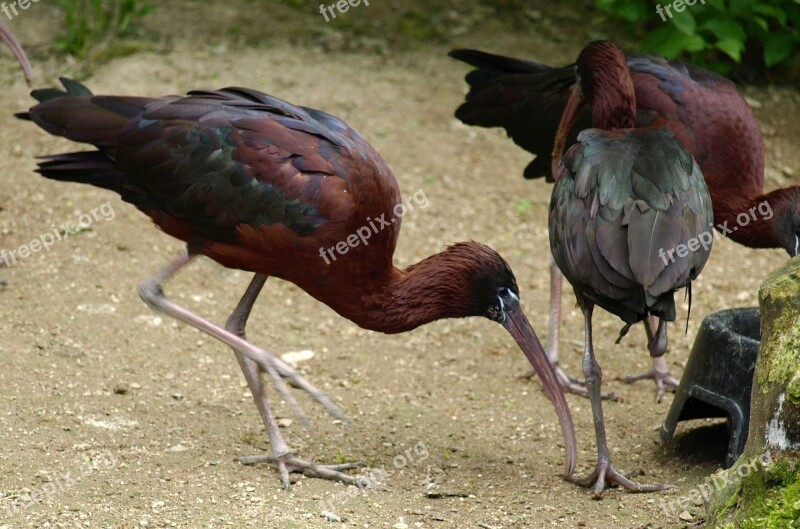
(151, 293)
(234, 325)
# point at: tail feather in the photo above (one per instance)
(90, 167)
(76, 114)
(498, 63)
(96, 169)
(523, 97)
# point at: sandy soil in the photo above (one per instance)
(114, 417)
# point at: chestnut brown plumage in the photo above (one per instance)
(623, 196)
(702, 109)
(259, 184)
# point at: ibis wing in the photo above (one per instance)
(628, 202)
(523, 97)
(527, 99)
(216, 161)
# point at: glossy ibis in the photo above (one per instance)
(262, 185)
(701, 108)
(621, 195)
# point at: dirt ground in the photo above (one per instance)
(112, 416)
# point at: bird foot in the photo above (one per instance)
(282, 374)
(664, 382)
(605, 475)
(288, 463)
(572, 384)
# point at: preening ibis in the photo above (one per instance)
(16, 48)
(622, 194)
(262, 185)
(702, 109)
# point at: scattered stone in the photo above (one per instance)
(331, 517)
(97, 308)
(438, 494)
(754, 103)
(297, 357)
(686, 516)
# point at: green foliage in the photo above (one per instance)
(90, 21)
(716, 33)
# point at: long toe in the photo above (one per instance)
(664, 381)
(605, 476)
(288, 463)
(295, 379)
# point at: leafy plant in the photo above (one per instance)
(718, 34)
(90, 21)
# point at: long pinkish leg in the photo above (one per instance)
(567, 381)
(604, 474)
(554, 323)
(152, 294)
(16, 48)
(281, 454)
(657, 344)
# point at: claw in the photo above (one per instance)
(605, 476)
(664, 382)
(287, 463)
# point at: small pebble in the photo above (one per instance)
(296, 357)
(330, 516)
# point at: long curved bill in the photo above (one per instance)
(575, 104)
(517, 325)
(16, 48)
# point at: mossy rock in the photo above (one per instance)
(763, 487)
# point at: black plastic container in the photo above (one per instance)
(719, 376)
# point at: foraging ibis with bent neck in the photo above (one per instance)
(702, 109)
(623, 196)
(262, 185)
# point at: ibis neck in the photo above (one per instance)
(402, 300)
(753, 221)
(615, 108)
